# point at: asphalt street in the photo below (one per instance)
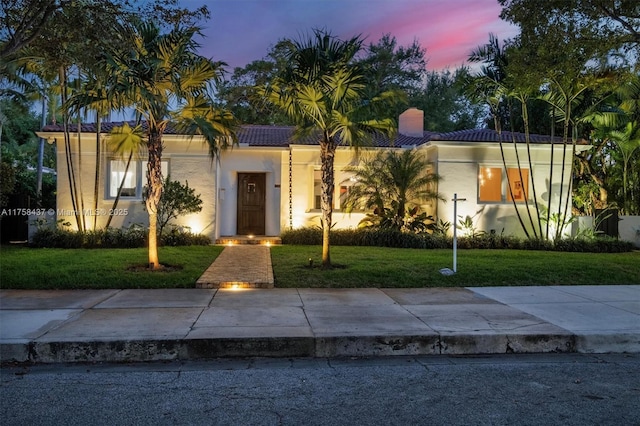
(537, 389)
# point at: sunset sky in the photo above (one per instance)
(241, 31)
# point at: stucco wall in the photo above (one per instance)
(188, 161)
(458, 165)
(257, 160)
(628, 227)
(304, 160)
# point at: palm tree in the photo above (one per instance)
(627, 139)
(564, 95)
(323, 92)
(394, 184)
(165, 81)
(490, 86)
(125, 142)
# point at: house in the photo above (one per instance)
(271, 182)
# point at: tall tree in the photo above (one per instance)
(491, 86)
(324, 93)
(163, 78)
(604, 31)
(240, 92)
(446, 106)
(23, 21)
(387, 66)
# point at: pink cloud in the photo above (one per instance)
(243, 31)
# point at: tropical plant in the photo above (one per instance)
(467, 225)
(165, 81)
(395, 184)
(491, 86)
(125, 142)
(323, 91)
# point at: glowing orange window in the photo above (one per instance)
(490, 184)
(519, 182)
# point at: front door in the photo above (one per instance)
(251, 203)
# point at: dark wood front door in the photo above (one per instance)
(251, 203)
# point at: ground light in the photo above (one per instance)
(447, 271)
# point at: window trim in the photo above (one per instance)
(340, 177)
(140, 177)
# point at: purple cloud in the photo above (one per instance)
(241, 31)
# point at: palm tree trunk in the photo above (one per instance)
(96, 179)
(570, 189)
(550, 196)
(496, 121)
(154, 191)
(517, 154)
(67, 148)
(525, 118)
(327, 154)
(565, 140)
(115, 202)
(43, 122)
(79, 184)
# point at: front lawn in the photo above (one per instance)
(26, 268)
(393, 267)
(48, 268)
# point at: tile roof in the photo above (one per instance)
(489, 135)
(283, 136)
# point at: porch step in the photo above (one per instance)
(246, 239)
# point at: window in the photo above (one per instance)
(344, 182)
(132, 180)
(118, 177)
(519, 186)
(317, 189)
(490, 184)
(492, 190)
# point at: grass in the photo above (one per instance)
(24, 268)
(390, 267)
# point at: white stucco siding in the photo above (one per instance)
(250, 160)
(199, 173)
(126, 212)
(304, 161)
(459, 165)
(187, 161)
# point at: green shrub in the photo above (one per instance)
(55, 237)
(366, 237)
(394, 238)
(133, 237)
(601, 244)
(302, 236)
(176, 237)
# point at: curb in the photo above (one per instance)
(285, 347)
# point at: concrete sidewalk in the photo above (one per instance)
(146, 325)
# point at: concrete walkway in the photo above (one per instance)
(146, 325)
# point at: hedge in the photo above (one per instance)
(398, 239)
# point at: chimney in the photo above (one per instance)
(411, 123)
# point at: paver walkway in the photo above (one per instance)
(242, 266)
